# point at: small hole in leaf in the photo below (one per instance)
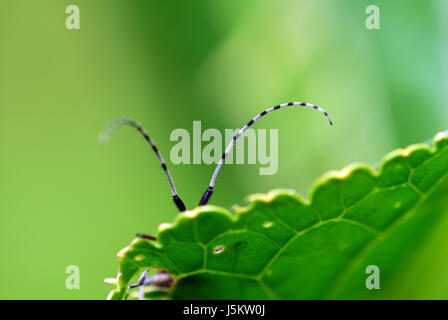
(218, 249)
(267, 224)
(138, 257)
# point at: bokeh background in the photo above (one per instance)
(65, 199)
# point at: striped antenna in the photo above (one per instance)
(105, 134)
(208, 193)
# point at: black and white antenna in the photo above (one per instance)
(164, 278)
(126, 121)
(208, 193)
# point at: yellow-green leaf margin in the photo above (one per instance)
(281, 246)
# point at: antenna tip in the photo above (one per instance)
(103, 137)
(111, 127)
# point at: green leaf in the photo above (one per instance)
(283, 247)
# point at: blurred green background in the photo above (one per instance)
(66, 199)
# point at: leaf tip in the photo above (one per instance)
(111, 280)
(441, 135)
(164, 226)
(271, 195)
(404, 152)
(123, 251)
(191, 214)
